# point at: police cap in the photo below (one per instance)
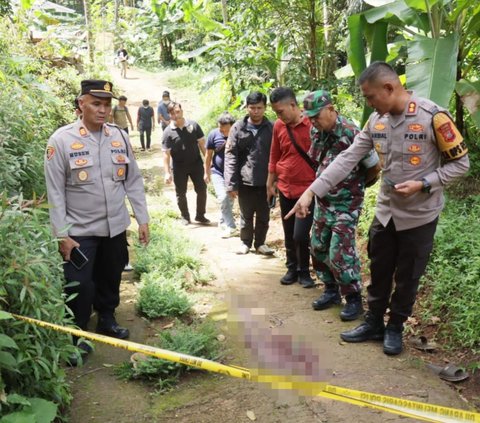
(97, 88)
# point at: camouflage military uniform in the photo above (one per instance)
(333, 249)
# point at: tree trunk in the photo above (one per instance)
(459, 115)
(224, 11)
(115, 13)
(312, 43)
(88, 27)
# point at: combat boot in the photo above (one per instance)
(372, 329)
(330, 296)
(353, 308)
(392, 342)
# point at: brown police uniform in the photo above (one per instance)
(420, 144)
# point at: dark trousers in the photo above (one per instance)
(125, 129)
(253, 202)
(400, 254)
(99, 280)
(297, 235)
(148, 133)
(180, 179)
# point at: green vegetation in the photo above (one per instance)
(198, 339)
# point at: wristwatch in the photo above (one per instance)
(426, 186)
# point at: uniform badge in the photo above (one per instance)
(50, 151)
(415, 148)
(83, 132)
(415, 127)
(120, 158)
(83, 175)
(378, 147)
(415, 160)
(77, 145)
(447, 132)
(412, 108)
(121, 172)
(116, 144)
(379, 126)
(106, 131)
(107, 87)
(81, 162)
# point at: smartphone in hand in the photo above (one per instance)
(77, 258)
(389, 182)
(272, 202)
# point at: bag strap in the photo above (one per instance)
(302, 153)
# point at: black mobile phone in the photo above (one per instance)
(77, 258)
(389, 182)
(272, 202)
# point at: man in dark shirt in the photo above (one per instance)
(183, 140)
(145, 123)
(246, 169)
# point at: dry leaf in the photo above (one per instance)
(435, 320)
(220, 338)
(251, 415)
(170, 325)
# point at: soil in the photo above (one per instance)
(99, 396)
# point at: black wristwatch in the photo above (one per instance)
(426, 186)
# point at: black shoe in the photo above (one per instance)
(305, 279)
(372, 329)
(353, 309)
(328, 298)
(113, 330)
(202, 219)
(290, 277)
(392, 342)
(80, 356)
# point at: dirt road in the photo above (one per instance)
(99, 396)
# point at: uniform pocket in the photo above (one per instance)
(120, 163)
(82, 170)
(413, 155)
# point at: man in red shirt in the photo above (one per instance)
(290, 171)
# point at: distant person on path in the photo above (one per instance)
(120, 115)
(334, 251)
(162, 110)
(89, 170)
(214, 168)
(420, 151)
(183, 140)
(122, 57)
(246, 169)
(291, 173)
(145, 123)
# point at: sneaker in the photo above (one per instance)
(128, 267)
(202, 219)
(228, 232)
(243, 249)
(265, 250)
(185, 222)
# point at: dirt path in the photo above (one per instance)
(99, 396)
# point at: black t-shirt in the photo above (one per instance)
(183, 143)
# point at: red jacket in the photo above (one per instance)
(294, 175)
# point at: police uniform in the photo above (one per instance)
(420, 144)
(87, 181)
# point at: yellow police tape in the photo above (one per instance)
(402, 407)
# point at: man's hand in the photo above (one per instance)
(302, 208)
(233, 194)
(168, 178)
(143, 234)
(271, 191)
(407, 188)
(65, 246)
(206, 177)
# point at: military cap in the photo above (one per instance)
(316, 101)
(97, 88)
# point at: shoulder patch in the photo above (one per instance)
(50, 151)
(449, 140)
(412, 108)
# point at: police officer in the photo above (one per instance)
(89, 169)
(420, 151)
(333, 246)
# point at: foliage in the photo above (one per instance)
(31, 284)
(199, 340)
(368, 211)
(454, 271)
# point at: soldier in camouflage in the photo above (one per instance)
(333, 248)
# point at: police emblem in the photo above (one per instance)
(120, 158)
(378, 147)
(415, 127)
(50, 151)
(83, 132)
(77, 145)
(412, 108)
(107, 87)
(121, 172)
(81, 162)
(415, 160)
(106, 131)
(415, 148)
(447, 132)
(83, 175)
(116, 144)
(379, 126)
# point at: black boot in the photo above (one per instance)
(392, 342)
(353, 308)
(305, 279)
(330, 296)
(107, 325)
(290, 277)
(373, 328)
